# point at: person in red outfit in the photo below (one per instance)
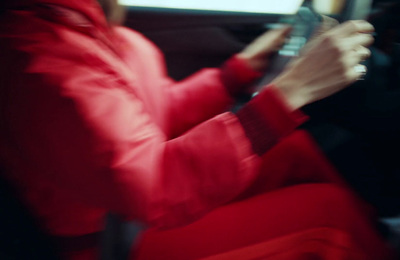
(91, 122)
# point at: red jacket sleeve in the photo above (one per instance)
(194, 99)
(207, 93)
(76, 121)
(98, 142)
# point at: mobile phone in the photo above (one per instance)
(304, 24)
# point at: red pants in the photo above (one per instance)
(323, 220)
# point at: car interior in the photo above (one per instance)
(205, 34)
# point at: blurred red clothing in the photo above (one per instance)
(91, 123)
(302, 222)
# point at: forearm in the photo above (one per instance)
(207, 93)
(221, 167)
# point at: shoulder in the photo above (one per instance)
(134, 38)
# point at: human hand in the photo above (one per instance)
(326, 24)
(329, 63)
(257, 52)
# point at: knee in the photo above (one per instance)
(334, 205)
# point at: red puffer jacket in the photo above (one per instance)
(91, 123)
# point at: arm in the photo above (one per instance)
(97, 142)
(91, 135)
(196, 95)
(206, 93)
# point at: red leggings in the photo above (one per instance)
(307, 203)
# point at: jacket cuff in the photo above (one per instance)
(267, 118)
(237, 75)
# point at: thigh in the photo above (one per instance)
(267, 216)
(296, 159)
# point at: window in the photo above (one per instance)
(248, 6)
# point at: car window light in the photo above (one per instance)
(248, 6)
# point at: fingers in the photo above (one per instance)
(361, 53)
(281, 36)
(328, 23)
(275, 34)
(356, 72)
(354, 50)
(350, 62)
(356, 40)
(268, 42)
(330, 63)
(275, 37)
(279, 32)
(256, 53)
(352, 47)
(284, 31)
(351, 27)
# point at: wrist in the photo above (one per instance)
(237, 75)
(290, 92)
(252, 62)
(267, 118)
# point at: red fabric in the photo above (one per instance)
(89, 8)
(313, 244)
(237, 75)
(272, 215)
(92, 123)
(267, 113)
(297, 159)
(275, 217)
(87, 254)
(271, 105)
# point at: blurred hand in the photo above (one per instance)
(329, 63)
(326, 24)
(256, 53)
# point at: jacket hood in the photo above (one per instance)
(89, 8)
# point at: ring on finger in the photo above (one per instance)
(361, 70)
